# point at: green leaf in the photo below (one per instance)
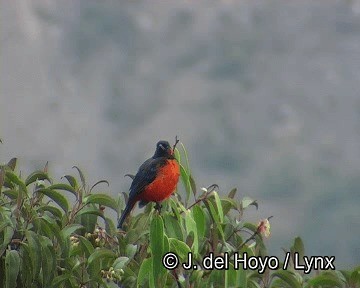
(355, 277)
(288, 277)
(8, 234)
(166, 245)
(177, 155)
(185, 173)
(298, 247)
(52, 224)
(100, 253)
(5, 221)
(46, 167)
(192, 184)
(88, 217)
(100, 258)
(345, 275)
(179, 247)
(250, 226)
(70, 229)
(145, 272)
(76, 264)
(247, 201)
(191, 227)
(253, 284)
(157, 246)
(166, 250)
(12, 267)
(130, 250)
(12, 164)
(105, 181)
(120, 262)
(199, 218)
(56, 196)
(42, 227)
(101, 199)
(37, 175)
(228, 204)
(90, 210)
(325, 280)
(35, 251)
(48, 263)
(16, 180)
(178, 205)
(218, 206)
(175, 209)
(185, 179)
(2, 178)
(11, 193)
(186, 156)
(172, 227)
(196, 277)
(217, 276)
(72, 181)
(53, 210)
(216, 218)
(61, 279)
(110, 226)
(86, 246)
(241, 278)
(82, 177)
(27, 274)
(64, 187)
(232, 193)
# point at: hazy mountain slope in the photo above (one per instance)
(264, 94)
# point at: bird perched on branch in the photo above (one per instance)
(155, 180)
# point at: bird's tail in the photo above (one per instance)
(125, 213)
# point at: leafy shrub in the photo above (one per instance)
(58, 235)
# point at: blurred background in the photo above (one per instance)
(264, 94)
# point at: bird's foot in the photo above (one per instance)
(158, 207)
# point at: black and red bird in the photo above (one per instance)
(155, 180)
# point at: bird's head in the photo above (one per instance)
(163, 149)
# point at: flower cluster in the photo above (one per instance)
(264, 228)
(100, 237)
(74, 241)
(112, 274)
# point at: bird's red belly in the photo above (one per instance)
(164, 184)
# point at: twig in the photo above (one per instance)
(204, 196)
(176, 142)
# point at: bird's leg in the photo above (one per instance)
(158, 207)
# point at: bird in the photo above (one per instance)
(155, 180)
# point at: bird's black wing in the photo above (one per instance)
(145, 175)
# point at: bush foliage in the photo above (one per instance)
(60, 235)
